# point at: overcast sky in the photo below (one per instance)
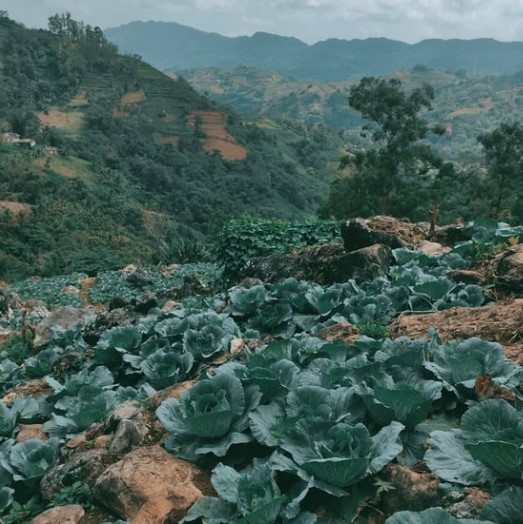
(308, 20)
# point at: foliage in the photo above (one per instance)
(401, 165)
(503, 148)
(242, 239)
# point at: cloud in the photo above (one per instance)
(310, 20)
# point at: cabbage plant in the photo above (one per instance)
(208, 418)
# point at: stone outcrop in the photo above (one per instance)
(150, 486)
(508, 269)
(70, 514)
(357, 234)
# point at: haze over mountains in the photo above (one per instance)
(171, 45)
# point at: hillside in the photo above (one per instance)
(129, 164)
(174, 46)
(466, 104)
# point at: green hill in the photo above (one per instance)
(465, 104)
(129, 164)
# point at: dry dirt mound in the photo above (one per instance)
(498, 322)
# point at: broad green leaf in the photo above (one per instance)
(493, 419)
(450, 460)
(432, 516)
(225, 481)
(505, 508)
(212, 511)
(31, 459)
(386, 446)
(505, 458)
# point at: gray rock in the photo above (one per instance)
(127, 434)
(509, 269)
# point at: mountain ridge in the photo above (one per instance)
(176, 46)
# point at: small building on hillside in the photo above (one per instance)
(51, 150)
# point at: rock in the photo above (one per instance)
(303, 264)
(173, 391)
(71, 514)
(8, 302)
(324, 264)
(356, 234)
(361, 265)
(138, 279)
(413, 490)
(170, 305)
(65, 317)
(468, 276)
(509, 269)
(150, 486)
(433, 249)
(125, 410)
(70, 290)
(127, 434)
(30, 389)
(29, 431)
(86, 466)
(469, 504)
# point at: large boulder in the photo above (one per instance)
(361, 265)
(324, 264)
(86, 466)
(150, 486)
(356, 234)
(303, 264)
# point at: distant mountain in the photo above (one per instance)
(174, 46)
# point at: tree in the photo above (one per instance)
(503, 148)
(398, 170)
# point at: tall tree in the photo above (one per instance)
(503, 148)
(388, 177)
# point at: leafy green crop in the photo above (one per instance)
(245, 238)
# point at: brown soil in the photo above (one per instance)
(15, 207)
(133, 97)
(497, 322)
(217, 136)
(57, 118)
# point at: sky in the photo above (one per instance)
(308, 20)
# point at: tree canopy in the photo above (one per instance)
(396, 175)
